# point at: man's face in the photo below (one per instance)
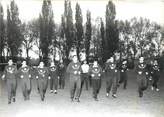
(75, 60)
(24, 63)
(155, 62)
(10, 62)
(41, 64)
(141, 60)
(52, 64)
(95, 63)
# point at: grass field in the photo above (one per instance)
(128, 104)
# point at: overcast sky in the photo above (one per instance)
(126, 9)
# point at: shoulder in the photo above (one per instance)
(79, 63)
(70, 63)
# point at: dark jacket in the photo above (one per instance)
(95, 72)
(25, 72)
(53, 71)
(42, 72)
(111, 70)
(74, 67)
(141, 69)
(10, 71)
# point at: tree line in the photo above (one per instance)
(130, 38)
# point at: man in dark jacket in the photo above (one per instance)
(53, 73)
(10, 76)
(25, 76)
(112, 75)
(123, 74)
(74, 70)
(42, 79)
(142, 76)
(61, 72)
(155, 71)
(96, 72)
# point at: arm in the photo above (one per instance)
(106, 66)
(19, 73)
(80, 69)
(100, 74)
(68, 68)
(37, 74)
(4, 73)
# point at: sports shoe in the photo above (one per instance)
(114, 96)
(96, 99)
(157, 89)
(51, 91)
(77, 99)
(71, 99)
(140, 94)
(9, 102)
(152, 88)
(13, 99)
(42, 98)
(55, 91)
(107, 94)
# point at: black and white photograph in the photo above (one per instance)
(82, 58)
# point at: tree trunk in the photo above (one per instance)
(141, 51)
(27, 52)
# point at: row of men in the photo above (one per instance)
(54, 73)
(114, 76)
(78, 75)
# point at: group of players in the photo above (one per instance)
(78, 74)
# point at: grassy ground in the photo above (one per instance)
(128, 104)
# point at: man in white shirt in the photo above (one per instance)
(85, 74)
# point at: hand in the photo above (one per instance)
(92, 75)
(122, 70)
(150, 78)
(30, 76)
(37, 77)
(99, 75)
(75, 72)
(79, 72)
(58, 77)
(115, 70)
(49, 77)
(139, 72)
(21, 76)
(146, 73)
(3, 77)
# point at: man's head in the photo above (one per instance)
(52, 64)
(85, 62)
(41, 64)
(124, 62)
(10, 62)
(141, 59)
(95, 63)
(155, 62)
(75, 59)
(24, 63)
